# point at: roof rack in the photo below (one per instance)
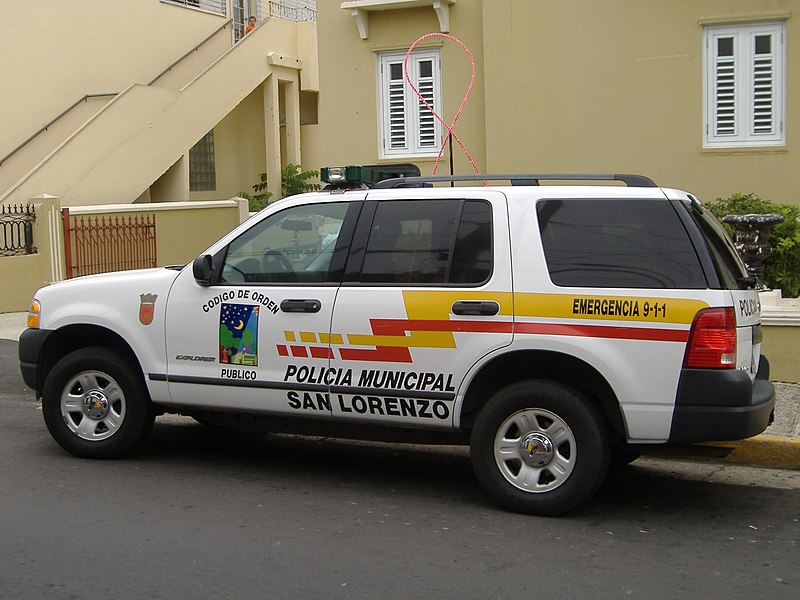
(518, 179)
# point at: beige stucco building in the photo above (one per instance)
(697, 95)
(153, 100)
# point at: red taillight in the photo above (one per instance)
(712, 340)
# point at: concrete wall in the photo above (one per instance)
(569, 86)
(183, 230)
(617, 86)
(780, 347)
(348, 103)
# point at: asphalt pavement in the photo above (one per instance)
(778, 446)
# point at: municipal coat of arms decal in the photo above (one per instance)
(147, 308)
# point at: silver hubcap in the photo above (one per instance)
(93, 406)
(535, 450)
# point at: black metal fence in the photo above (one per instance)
(16, 229)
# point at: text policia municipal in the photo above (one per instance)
(372, 378)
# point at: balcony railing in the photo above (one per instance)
(294, 10)
(215, 6)
(288, 10)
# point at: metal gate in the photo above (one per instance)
(103, 243)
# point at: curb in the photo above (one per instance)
(762, 450)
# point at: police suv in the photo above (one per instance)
(554, 328)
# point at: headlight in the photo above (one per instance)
(34, 314)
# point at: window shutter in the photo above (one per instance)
(725, 86)
(427, 122)
(397, 107)
(763, 121)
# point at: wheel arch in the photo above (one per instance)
(74, 337)
(541, 364)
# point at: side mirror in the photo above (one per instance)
(203, 269)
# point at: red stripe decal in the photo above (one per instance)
(379, 354)
(603, 331)
(402, 326)
(321, 352)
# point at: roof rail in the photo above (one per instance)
(519, 179)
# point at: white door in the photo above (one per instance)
(427, 295)
(264, 320)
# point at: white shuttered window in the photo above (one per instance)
(406, 126)
(744, 85)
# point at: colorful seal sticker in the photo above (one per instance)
(238, 334)
(147, 308)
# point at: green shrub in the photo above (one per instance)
(782, 267)
(293, 181)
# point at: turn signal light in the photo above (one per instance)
(34, 313)
(712, 340)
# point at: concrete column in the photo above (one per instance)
(291, 99)
(49, 237)
(272, 135)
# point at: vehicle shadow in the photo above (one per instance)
(418, 472)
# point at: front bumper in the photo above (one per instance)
(716, 405)
(31, 342)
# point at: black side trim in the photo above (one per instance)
(302, 387)
(714, 405)
(31, 342)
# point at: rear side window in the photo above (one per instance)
(617, 243)
(424, 242)
(730, 268)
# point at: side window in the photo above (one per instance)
(294, 245)
(429, 242)
(617, 243)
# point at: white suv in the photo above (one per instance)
(554, 328)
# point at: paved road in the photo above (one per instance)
(199, 513)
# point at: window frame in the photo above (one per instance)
(203, 165)
(458, 233)
(744, 68)
(585, 248)
(337, 249)
(412, 108)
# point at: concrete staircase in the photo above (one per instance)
(116, 148)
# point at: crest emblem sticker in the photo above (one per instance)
(147, 308)
(238, 334)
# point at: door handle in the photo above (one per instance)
(301, 306)
(476, 307)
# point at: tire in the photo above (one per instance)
(95, 405)
(539, 447)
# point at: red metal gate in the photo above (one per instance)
(103, 243)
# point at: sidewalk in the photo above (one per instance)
(778, 446)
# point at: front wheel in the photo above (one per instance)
(95, 405)
(540, 447)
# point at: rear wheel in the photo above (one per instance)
(95, 405)
(540, 447)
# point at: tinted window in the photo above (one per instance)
(294, 245)
(730, 268)
(429, 242)
(617, 243)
